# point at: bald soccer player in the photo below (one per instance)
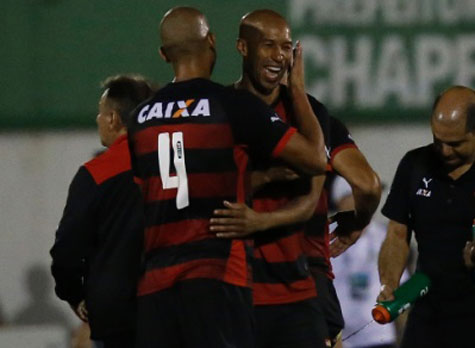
(190, 144)
(433, 194)
(283, 286)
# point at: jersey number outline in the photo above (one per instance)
(180, 180)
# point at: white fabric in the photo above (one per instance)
(357, 285)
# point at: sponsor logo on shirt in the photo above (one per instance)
(275, 118)
(174, 109)
(424, 192)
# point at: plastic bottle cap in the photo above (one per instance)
(381, 314)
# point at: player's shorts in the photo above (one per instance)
(291, 325)
(196, 313)
(435, 322)
(328, 300)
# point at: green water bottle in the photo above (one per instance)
(404, 296)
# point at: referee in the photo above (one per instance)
(433, 194)
(96, 254)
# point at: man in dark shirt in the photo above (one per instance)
(196, 288)
(98, 244)
(433, 194)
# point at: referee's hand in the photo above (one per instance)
(386, 293)
(81, 311)
(469, 254)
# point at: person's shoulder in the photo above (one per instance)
(422, 153)
(109, 163)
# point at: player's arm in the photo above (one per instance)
(72, 239)
(306, 149)
(238, 220)
(351, 164)
(392, 259)
(260, 178)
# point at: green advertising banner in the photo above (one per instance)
(367, 60)
(384, 60)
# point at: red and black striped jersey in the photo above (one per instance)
(317, 240)
(189, 146)
(280, 267)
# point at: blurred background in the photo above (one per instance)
(376, 64)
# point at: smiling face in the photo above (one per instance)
(266, 48)
(454, 140)
(454, 144)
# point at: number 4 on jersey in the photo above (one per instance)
(180, 180)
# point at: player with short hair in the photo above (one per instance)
(190, 146)
(96, 254)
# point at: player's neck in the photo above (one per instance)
(191, 69)
(459, 171)
(245, 83)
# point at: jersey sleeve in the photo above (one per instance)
(323, 118)
(73, 238)
(340, 137)
(255, 124)
(397, 206)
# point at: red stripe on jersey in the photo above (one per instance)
(277, 293)
(175, 233)
(287, 249)
(336, 150)
(113, 161)
(238, 270)
(283, 141)
(241, 159)
(319, 246)
(200, 185)
(162, 278)
(280, 110)
(195, 136)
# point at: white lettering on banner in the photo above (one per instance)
(408, 70)
(434, 62)
(465, 49)
(350, 71)
(391, 12)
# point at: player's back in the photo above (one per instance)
(185, 153)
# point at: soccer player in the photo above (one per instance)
(287, 314)
(189, 146)
(96, 254)
(433, 194)
(281, 269)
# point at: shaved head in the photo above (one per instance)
(183, 31)
(453, 126)
(260, 20)
(455, 108)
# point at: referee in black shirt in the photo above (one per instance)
(97, 251)
(433, 194)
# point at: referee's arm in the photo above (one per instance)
(73, 239)
(393, 258)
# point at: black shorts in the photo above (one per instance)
(196, 313)
(435, 323)
(292, 325)
(328, 300)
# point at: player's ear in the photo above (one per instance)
(211, 39)
(241, 46)
(163, 54)
(115, 120)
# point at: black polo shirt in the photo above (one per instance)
(440, 211)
